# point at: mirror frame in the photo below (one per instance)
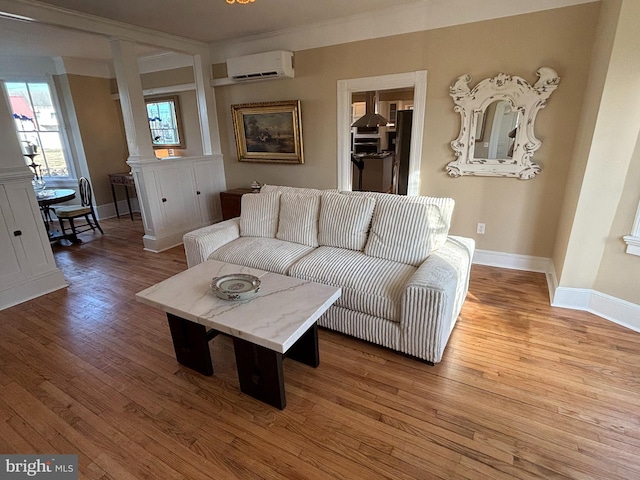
(472, 103)
(174, 99)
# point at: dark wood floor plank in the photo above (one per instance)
(524, 391)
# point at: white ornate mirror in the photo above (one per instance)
(498, 116)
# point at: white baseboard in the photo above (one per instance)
(162, 242)
(610, 308)
(157, 244)
(108, 210)
(512, 261)
(31, 288)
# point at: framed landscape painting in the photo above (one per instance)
(268, 132)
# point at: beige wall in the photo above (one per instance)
(102, 132)
(603, 44)
(175, 76)
(521, 217)
(617, 160)
(606, 199)
(618, 272)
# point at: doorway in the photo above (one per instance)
(380, 150)
(346, 88)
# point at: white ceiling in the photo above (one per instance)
(201, 20)
(215, 21)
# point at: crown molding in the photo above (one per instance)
(396, 20)
(60, 17)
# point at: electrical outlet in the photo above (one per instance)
(480, 229)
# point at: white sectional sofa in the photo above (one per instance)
(403, 278)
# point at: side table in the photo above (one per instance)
(230, 202)
(126, 180)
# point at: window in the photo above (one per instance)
(164, 122)
(37, 125)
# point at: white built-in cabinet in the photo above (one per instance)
(27, 266)
(209, 182)
(178, 195)
(174, 197)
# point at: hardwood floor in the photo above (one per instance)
(524, 391)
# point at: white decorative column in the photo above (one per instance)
(27, 266)
(136, 126)
(206, 104)
(176, 195)
(209, 173)
(134, 110)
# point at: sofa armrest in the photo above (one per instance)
(433, 298)
(201, 243)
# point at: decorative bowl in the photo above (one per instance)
(236, 286)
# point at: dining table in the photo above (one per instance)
(48, 197)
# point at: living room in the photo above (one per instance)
(568, 222)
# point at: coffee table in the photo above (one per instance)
(279, 322)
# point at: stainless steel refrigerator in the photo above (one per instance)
(404, 120)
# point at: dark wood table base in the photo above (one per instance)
(259, 368)
(126, 180)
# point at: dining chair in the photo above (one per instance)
(85, 209)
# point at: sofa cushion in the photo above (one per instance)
(442, 220)
(299, 218)
(259, 214)
(370, 285)
(402, 232)
(268, 254)
(284, 189)
(344, 220)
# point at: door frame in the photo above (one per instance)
(346, 88)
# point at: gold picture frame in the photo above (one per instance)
(268, 132)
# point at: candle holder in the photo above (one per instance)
(37, 182)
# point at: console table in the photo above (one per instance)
(230, 201)
(125, 180)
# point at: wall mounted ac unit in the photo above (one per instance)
(262, 66)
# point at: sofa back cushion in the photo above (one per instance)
(259, 214)
(284, 189)
(406, 231)
(344, 220)
(299, 218)
(441, 221)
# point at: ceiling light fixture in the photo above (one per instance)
(243, 2)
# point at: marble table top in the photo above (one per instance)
(281, 312)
